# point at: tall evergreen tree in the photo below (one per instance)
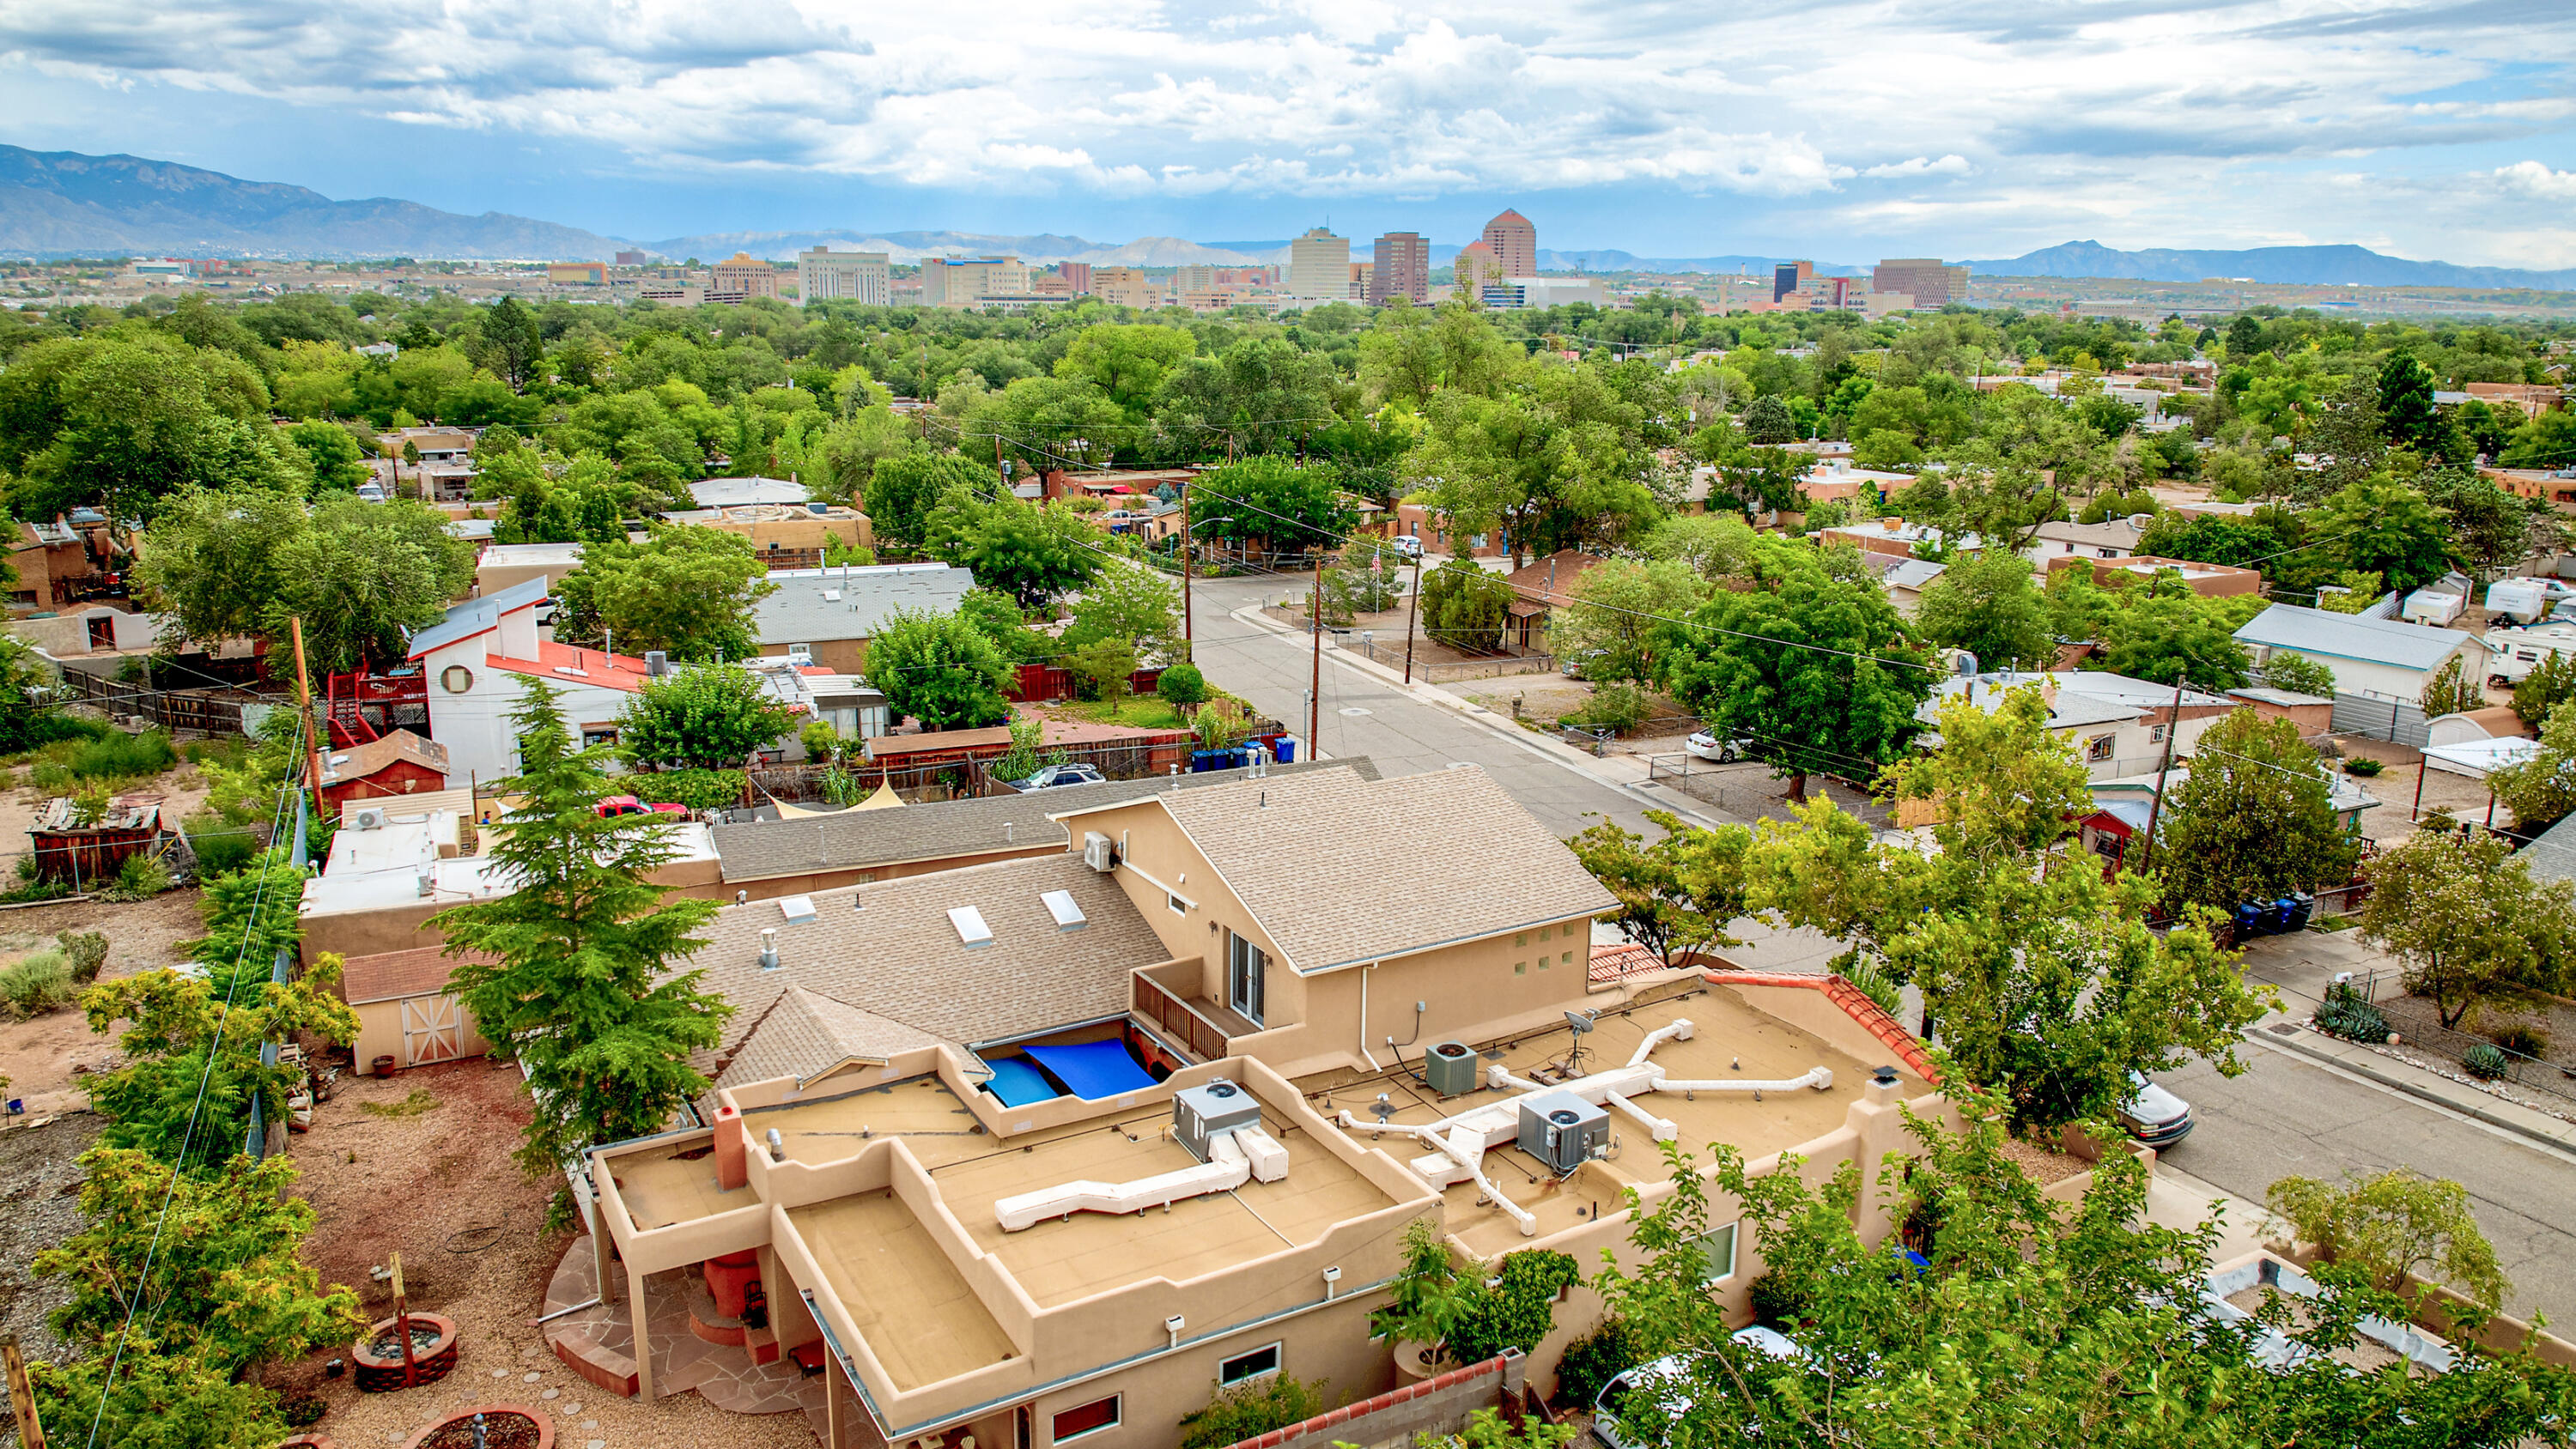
(572, 970)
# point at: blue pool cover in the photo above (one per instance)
(1093, 1069)
(1018, 1083)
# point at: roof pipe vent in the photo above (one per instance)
(769, 948)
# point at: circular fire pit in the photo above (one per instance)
(377, 1359)
(505, 1426)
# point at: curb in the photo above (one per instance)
(2413, 1089)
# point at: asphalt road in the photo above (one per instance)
(1365, 715)
(2290, 1116)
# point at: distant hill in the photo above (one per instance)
(2329, 266)
(912, 246)
(62, 203)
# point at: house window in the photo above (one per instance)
(2106, 553)
(1520, 968)
(2098, 748)
(1246, 971)
(801, 651)
(598, 735)
(1565, 960)
(2156, 734)
(1179, 907)
(1717, 1255)
(1253, 1365)
(2106, 844)
(1520, 938)
(1546, 931)
(1088, 1418)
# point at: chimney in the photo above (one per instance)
(731, 1170)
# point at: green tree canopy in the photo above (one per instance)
(1819, 674)
(903, 489)
(2252, 821)
(939, 669)
(688, 591)
(1988, 605)
(1132, 605)
(707, 716)
(1676, 894)
(1619, 611)
(1463, 606)
(2382, 526)
(2465, 919)
(1272, 501)
(572, 971)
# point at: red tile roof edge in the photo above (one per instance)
(1855, 1004)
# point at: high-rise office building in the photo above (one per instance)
(1514, 242)
(824, 275)
(1078, 274)
(742, 277)
(962, 283)
(1402, 269)
(1475, 267)
(1789, 277)
(1931, 285)
(1319, 267)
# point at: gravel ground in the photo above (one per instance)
(40, 1182)
(45, 1057)
(420, 1184)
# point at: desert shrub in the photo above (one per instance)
(221, 849)
(118, 755)
(2345, 1014)
(36, 985)
(1598, 1357)
(1248, 1411)
(140, 878)
(2521, 1036)
(85, 950)
(2362, 765)
(2485, 1062)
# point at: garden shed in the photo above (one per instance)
(79, 848)
(406, 1013)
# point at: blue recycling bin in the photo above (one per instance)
(1287, 750)
(2249, 920)
(2304, 909)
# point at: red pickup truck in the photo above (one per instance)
(616, 805)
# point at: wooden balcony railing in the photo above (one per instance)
(1152, 1001)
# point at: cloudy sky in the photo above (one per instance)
(1843, 129)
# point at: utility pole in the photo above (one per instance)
(304, 701)
(1412, 611)
(22, 1394)
(1315, 689)
(2155, 807)
(1189, 544)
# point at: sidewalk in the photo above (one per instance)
(2303, 964)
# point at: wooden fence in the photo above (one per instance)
(205, 712)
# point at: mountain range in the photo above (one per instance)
(65, 204)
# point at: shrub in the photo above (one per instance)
(2346, 1015)
(1518, 1310)
(700, 790)
(1100, 668)
(221, 849)
(2520, 1036)
(140, 879)
(2362, 765)
(1872, 980)
(117, 755)
(822, 741)
(1181, 686)
(302, 1413)
(1615, 707)
(39, 984)
(2485, 1062)
(1600, 1356)
(85, 950)
(1248, 1411)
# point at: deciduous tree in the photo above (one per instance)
(2390, 1224)
(687, 591)
(1618, 612)
(2252, 820)
(940, 669)
(1988, 605)
(2465, 918)
(707, 716)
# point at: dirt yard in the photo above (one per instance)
(428, 1174)
(44, 1058)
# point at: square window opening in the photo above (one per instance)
(1717, 1255)
(1088, 1418)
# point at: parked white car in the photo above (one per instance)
(1707, 746)
(1408, 545)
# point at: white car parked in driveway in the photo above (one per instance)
(1707, 746)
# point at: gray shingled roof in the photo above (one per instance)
(2553, 855)
(858, 839)
(472, 617)
(1340, 870)
(898, 956)
(805, 1033)
(815, 605)
(2351, 636)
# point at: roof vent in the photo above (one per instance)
(769, 948)
(797, 909)
(1067, 911)
(970, 926)
(831, 596)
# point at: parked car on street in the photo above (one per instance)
(1408, 545)
(616, 805)
(1054, 775)
(2153, 1116)
(371, 493)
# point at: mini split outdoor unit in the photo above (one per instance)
(1563, 1131)
(1209, 1110)
(1097, 852)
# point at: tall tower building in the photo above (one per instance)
(1402, 269)
(823, 274)
(1319, 267)
(1515, 243)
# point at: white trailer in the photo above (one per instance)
(2514, 653)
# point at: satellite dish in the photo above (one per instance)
(1578, 1021)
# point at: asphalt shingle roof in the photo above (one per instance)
(815, 605)
(858, 839)
(2350, 636)
(897, 955)
(805, 1033)
(1340, 870)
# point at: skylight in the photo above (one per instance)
(797, 909)
(970, 926)
(1061, 905)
